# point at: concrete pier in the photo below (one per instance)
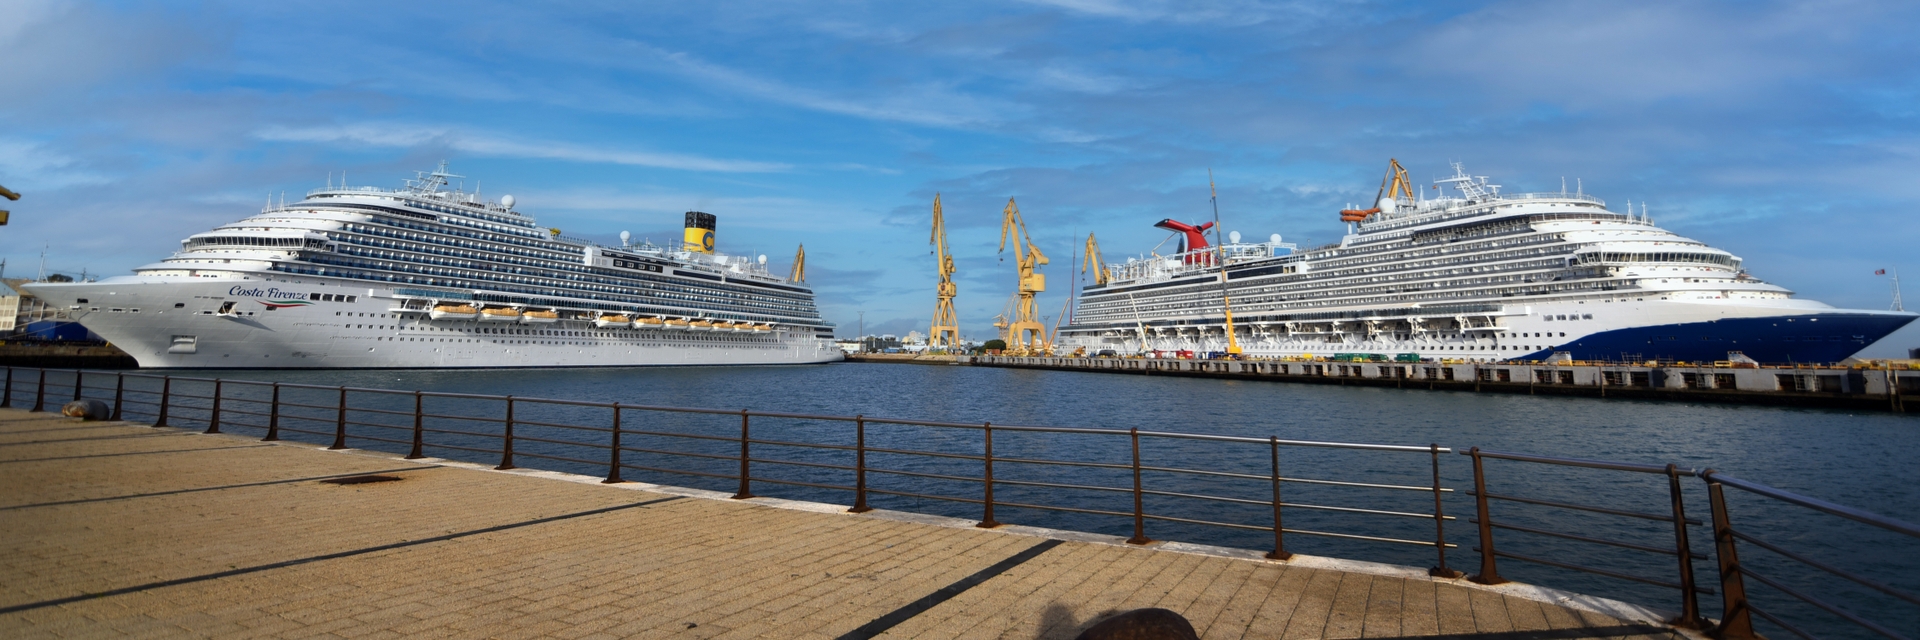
(117, 529)
(1856, 388)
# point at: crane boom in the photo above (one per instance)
(1391, 186)
(1093, 262)
(1025, 334)
(799, 266)
(945, 332)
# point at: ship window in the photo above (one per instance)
(176, 305)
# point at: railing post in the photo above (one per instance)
(1139, 509)
(273, 416)
(1439, 521)
(746, 475)
(213, 418)
(1279, 551)
(419, 430)
(613, 451)
(860, 465)
(6, 395)
(40, 393)
(1736, 617)
(119, 393)
(1689, 599)
(79, 384)
(340, 423)
(988, 522)
(166, 394)
(1488, 571)
(506, 439)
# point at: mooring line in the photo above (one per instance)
(883, 623)
(312, 559)
(200, 489)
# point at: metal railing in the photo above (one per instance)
(1681, 551)
(1739, 608)
(849, 454)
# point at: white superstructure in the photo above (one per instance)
(1475, 274)
(431, 276)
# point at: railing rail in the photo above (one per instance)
(411, 420)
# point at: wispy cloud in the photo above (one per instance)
(923, 102)
(408, 136)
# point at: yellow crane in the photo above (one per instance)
(799, 266)
(1025, 333)
(1392, 186)
(1093, 262)
(945, 332)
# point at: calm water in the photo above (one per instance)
(1863, 460)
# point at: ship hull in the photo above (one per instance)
(170, 323)
(1783, 331)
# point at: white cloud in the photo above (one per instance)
(403, 135)
(30, 166)
(925, 103)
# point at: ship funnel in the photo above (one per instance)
(699, 235)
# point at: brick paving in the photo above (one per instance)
(115, 529)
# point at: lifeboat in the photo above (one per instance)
(541, 316)
(612, 321)
(676, 325)
(700, 325)
(742, 327)
(499, 314)
(453, 312)
(763, 328)
(647, 323)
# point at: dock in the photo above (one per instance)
(116, 528)
(1865, 388)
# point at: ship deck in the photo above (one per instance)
(121, 529)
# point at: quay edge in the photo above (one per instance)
(1833, 387)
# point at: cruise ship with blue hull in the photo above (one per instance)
(1473, 275)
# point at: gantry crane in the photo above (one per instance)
(945, 332)
(1025, 333)
(1391, 186)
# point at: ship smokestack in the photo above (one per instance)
(699, 235)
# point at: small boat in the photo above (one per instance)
(676, 324)
(648, 322)
(763, 328)
(700, 325)
(499, 314)
(539, 316)
(612, 321)
(453, 312)
(742, 327)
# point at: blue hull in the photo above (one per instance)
(1811, 338)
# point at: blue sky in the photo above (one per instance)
(1784, 132)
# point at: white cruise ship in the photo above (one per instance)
(1473, 275)
(431, 276)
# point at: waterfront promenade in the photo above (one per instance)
(118, 529)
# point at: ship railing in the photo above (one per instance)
(1131, 478)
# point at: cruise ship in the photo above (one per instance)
(1472, 274)
(430, 276)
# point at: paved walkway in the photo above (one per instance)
(111, 529)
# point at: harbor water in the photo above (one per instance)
(1862, 460)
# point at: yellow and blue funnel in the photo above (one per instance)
(699, 235)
